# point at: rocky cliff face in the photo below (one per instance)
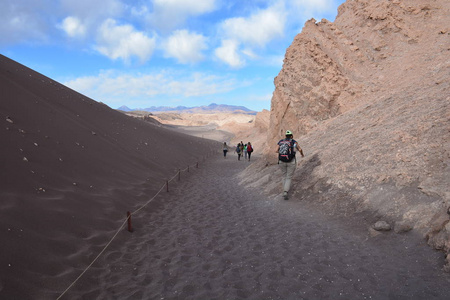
(367, 97)
(372, 48)
(254, 132)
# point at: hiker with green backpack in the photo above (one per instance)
(287, 161)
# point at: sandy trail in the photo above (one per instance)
(210, 238)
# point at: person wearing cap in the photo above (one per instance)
(288, 165)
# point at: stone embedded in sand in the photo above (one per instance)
(93, 133)
(381, 226)
(9, 120)
(402, 226)
(75, 184)
(373, 232)
(36, 144)
(25, 159)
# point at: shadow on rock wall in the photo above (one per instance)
(400, 206)
(322, 192)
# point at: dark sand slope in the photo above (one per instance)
(70, 168)
(210, 238)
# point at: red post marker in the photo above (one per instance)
(179, 174)
(167, 185)
(197, 165)
(130, 229)
(188, 169)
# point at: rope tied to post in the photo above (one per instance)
(127, 220)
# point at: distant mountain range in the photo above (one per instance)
(213, 107)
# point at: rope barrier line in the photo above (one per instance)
(117, 232)
(95, 259)
(143, 206)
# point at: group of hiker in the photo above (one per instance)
(242, 150)
(286, 149)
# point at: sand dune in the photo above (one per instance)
(70, 169)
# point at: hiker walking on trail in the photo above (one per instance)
(286, 158)
(225, 149)
(245, 151)
(249, 150)
(238, 151)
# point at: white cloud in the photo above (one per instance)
(258, 29)
(92, 11)
(116, 88)
(73, 27)
(185, 46)
(24, 21)
(250, 53)
(192, 7)
(123, 42)
(228, 53)
(240, 36)
(168, 14)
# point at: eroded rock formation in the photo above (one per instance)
(368, 98)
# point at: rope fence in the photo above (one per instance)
(128, 221)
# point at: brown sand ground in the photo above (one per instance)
(212, 238)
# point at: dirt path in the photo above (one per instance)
(210, 238)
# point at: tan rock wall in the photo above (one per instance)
(331, 68)
(367, 97)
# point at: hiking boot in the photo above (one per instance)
(285, 196)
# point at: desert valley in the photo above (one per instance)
(368, 99)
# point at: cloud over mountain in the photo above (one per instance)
(185, 46)
(74, 40)
(123, 41)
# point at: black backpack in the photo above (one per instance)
(286, 152)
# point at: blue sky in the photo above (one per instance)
(146, 53)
